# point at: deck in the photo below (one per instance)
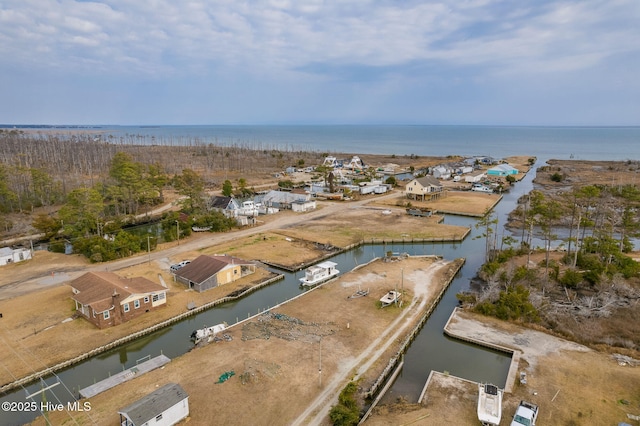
(123, 376)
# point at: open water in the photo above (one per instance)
(585, 143)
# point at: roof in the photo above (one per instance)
(283, 197)
(428, 181)
(220, 202)
(97, 288)
(157, 402)
(504, 168)
(204, 267)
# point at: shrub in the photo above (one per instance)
(571, 278)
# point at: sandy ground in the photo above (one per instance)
(571, 384)
(289, 369)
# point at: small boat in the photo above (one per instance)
(489, 404)
(319, 273)
(207, 333)
(390, 297)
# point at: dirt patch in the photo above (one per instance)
(571, 384)
(35, 326)
(297, 357)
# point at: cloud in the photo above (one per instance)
(379, 50)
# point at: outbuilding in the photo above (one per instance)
(9, 255)
(205, 272)
(165, 406)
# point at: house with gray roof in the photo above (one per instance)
(205, 272)
(165, 406)
(423, 188)
(9, 255)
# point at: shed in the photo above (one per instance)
(9, 255)
(303, 205)
(165, 406)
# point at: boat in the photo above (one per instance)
(319, 273)
(207, 333)
(391, 297)
(489, 404)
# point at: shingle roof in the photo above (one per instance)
(97, 288)
(220, 202)
(428, 181)
(204, 267)
(157, 402)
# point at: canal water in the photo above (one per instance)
(431, 350)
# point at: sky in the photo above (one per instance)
(168, 62)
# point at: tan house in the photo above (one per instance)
(107, 299)
(205, 272)
(426, 187)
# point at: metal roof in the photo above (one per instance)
(155, 403)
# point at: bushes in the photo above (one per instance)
(512, 304)
(346, 413)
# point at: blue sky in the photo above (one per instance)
(525, 62)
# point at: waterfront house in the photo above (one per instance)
(423, 187)
(282, 199)
(9, 255)
(205, 272)
(502, 170)
(106, 299)
(165, 406)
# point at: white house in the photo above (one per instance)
(9, 255)
(441, 172)
(475, 177)
(303, 205)
(164, 407)
(502, 170)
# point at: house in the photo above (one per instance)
(502, 170)
(282, 199)
(303, 205)
(423, 187)
(165, 406)
(106, 299)
(9, 255)
(441, 172)
(475, 177)
(227, 205)
(205, 272)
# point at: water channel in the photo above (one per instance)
(431, 350)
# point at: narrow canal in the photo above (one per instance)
(431, 350)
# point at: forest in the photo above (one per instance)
(92, 193)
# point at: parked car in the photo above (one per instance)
(179, 265)
(526, 414)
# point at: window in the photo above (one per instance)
(136, 304)
(146, 299)
(125, 307)
(155, 297)
(106, 315)
(158, 417)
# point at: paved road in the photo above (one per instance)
(283, 220)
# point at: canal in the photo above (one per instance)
(431, 350)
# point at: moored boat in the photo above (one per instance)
(207, 333)
(319, 273)
(489, 404)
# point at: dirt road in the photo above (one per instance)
(39, 281)
(317, 412)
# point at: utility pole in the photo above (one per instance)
(177, 232)
(320, 365)
(149, 250)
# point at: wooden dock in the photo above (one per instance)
(123, 376)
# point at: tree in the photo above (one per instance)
(191, 185)
(47, 225)
(82, 213)
(227, 188)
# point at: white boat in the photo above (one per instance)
(319, 273)
(207, 333)
(391, 297)
(489, 404)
